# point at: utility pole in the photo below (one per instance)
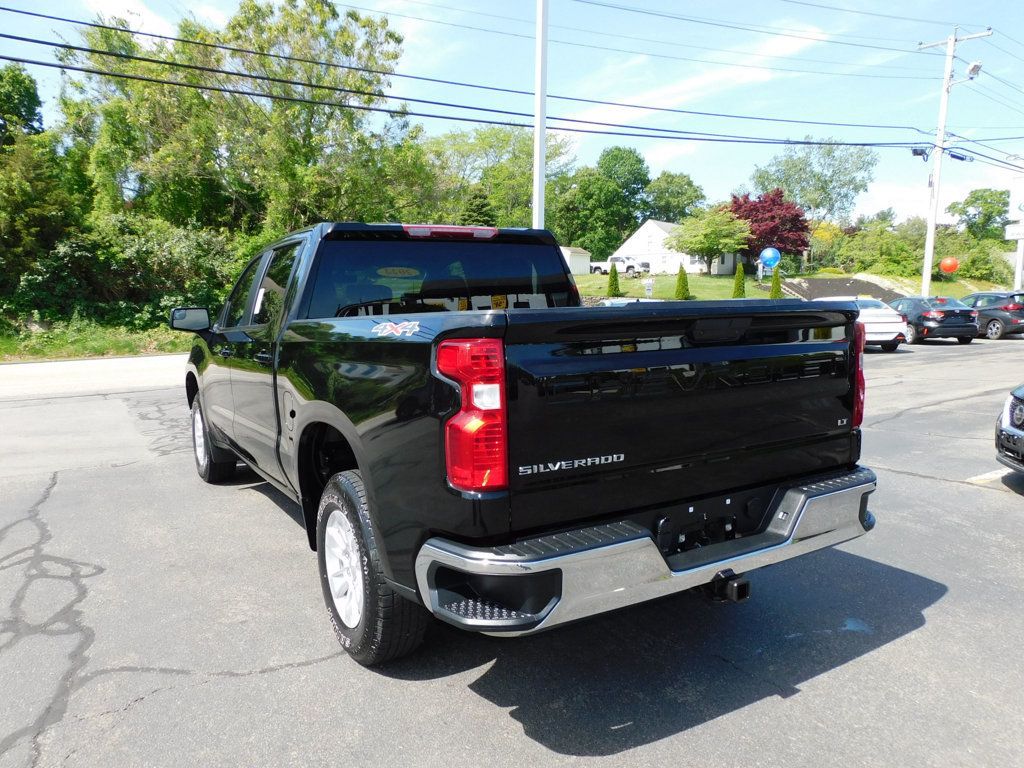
(540, 84)
(940, 147)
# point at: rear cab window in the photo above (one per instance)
(944, 302)
(355, 278)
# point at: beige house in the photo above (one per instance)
(648, 244)
(577, 259)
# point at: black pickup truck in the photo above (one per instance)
(466, 441)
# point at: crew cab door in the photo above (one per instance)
(255, 422)
(217, 397)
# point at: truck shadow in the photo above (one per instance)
(646, 673)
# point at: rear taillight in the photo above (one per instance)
(475, 438)
(933, 314)
(1012, 307)
(859, 336)
(974, 313)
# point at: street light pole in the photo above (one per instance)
(940, 150)
(540, 113)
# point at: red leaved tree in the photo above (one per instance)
(774, 223)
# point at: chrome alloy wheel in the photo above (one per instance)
(344, 568)
(994, 330)
(199, 438)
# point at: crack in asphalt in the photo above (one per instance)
(163, 423)
(67, 621)
(931, 404)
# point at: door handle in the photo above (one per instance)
(225, 352)
(263, 358)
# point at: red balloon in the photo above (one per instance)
(949, 265)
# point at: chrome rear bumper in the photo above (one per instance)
(542, 582)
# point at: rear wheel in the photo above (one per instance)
(890, 346)
(964, 339)
(912, 336)
(994, 330)
(211, 463)
(372, 622)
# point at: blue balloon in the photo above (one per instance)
(770, 257)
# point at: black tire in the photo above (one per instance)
(913, 337)
(964, 339)
(994, 329)
(214, 465)
(389, 626)
(890, 346)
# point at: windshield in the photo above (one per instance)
(358, 277)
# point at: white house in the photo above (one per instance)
(648, 244)
(577, 259)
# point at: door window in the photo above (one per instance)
(238, 302)
(270, 296)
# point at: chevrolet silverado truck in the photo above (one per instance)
(466, 442)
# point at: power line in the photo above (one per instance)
(712, 138)
(1007, 83)
(1011, 39)
(656, 41)
(985, 93)
(878, 15)
(999, 48)
(747, 28)
(352, 91)
(669, 57)
(475, 86)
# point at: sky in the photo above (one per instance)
(858, 68)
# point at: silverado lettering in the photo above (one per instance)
(399, 382)
(557, 466)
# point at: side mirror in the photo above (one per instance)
(193, 319)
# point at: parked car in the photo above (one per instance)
(624, 265)
(937, 317)
(1010, 431)
(884, 326)
(465, 441)
(1000, 313)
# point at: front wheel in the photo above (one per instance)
(372, 622)
(994, 330)
(964, 339)
(211, 464)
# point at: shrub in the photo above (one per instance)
(776, 289)
(831, 271)
(682, 284)
(613, 283)
(739, 282)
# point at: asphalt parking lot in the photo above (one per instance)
(147, 619)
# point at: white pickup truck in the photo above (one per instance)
(624, 265)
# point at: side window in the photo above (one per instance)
(270, 296)
(239, 299)
(986, 301)
(975, 301)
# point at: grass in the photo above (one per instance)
(703, 287)
(84, 338)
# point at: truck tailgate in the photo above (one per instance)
(628, 408)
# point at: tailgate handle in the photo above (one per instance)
(711, 329)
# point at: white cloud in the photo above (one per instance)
(661, 154)
(138, 15)
(210, 13)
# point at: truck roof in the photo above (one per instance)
(354, 230)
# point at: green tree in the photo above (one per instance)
(19, 103)
(710, 233)
(823, 179)
(673, 197)
(776, 290)
(628, 170)
(36, 209)
(983, 212)
(500, 160)
(587, 212)
(477, 210)
(739, 282)
(613, 282)
(682, 284)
